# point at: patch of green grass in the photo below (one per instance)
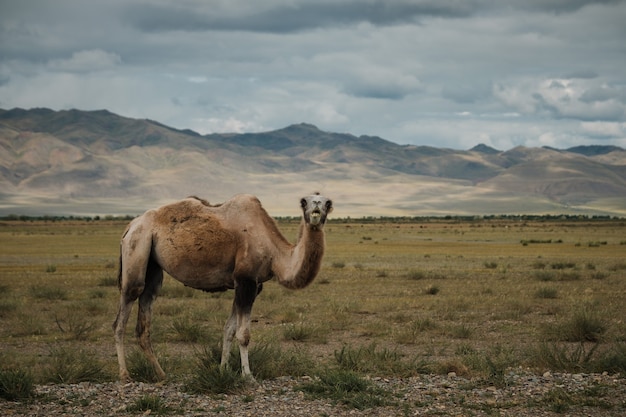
(409, 333)
(346, 387)
(585, 325)
(7, 307)
(545, 276)
(620, 266)
(149, 404)
(562, 265)
(547, 292)
(140, 368)
(16, 385)
(416, 275)
(374, 360)
(301, 332)
(461, 331)
(577, 357)
(75, 326)
(600, 275)
(48, 293)
(491, 366)
(108, 281)
(186, 330)
(614, 360)
(68, 365)
(209, 377)
(268, 361)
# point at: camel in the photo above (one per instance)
(233, 245)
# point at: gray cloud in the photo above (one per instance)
(445, 73)
(291, 17)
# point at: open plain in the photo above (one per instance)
(436, 316)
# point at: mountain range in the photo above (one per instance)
(75, 162)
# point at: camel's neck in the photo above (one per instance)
(300, 265)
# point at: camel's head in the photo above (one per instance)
(315, 208)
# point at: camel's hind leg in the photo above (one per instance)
(154, 280)
(134, 256)
(119, 328)
(238, 324)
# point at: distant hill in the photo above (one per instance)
(96, 162)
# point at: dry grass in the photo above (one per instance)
(441, 295)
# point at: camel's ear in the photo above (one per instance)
(303, 203)
(329, 206)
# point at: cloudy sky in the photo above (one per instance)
(447, 73)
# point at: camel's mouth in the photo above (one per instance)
(316, 215)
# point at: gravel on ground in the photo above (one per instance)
(521, 394)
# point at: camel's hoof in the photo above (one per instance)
(125, 378)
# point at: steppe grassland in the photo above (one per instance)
(434, 291)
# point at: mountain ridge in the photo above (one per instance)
(79, 162)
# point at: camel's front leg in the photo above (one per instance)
(238, 323)
(229, 333)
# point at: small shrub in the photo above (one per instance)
(491, 265)
(569, 276)
(71, 366)
(614, 361)
(4, 289)
(371, 359)
(565, 357)
(618, 267)
(270, 361)
(140, 369)
(416, 275)
(75, 326)
(539, 265)
(410, 333)
(546, 292)
(51, 268)
(461, 331)
(186, 330)
(563, 265)
(48, 293)
(347, 388)
(7, 307)
(210, 378)
(584, 326)
(545, 276)
(301, 332)
(148, 404)
(16, 385)
(339, 264)
(600, 275)
(596, 244)
(108, 281)
(97, 294)
(558, 400)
